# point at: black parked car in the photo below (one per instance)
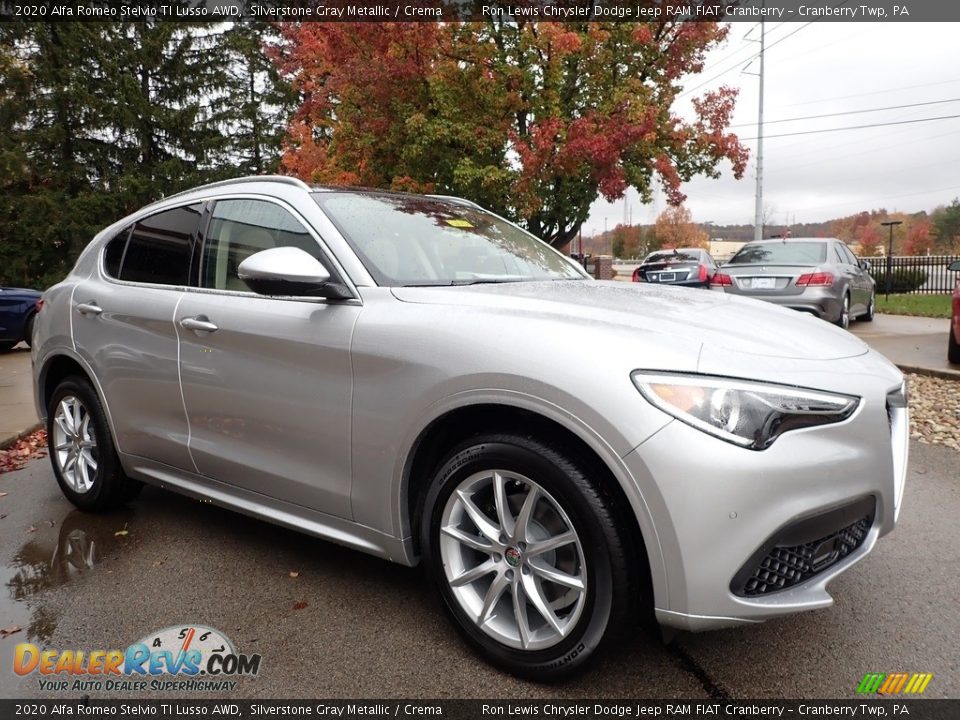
(17, 308)
(691, 267)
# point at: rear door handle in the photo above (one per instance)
(199, 324)
(89, 308)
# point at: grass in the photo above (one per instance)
(937, 306)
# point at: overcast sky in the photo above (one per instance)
(821, 68)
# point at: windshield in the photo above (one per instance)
(792, 253)
(416, 240)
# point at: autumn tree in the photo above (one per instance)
(675, 229)
(533, 120)
(919, 239)
(946, 221)
(628, 241)
(869, 240)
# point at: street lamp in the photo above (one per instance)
(891, 224)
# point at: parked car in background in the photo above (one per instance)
(821, 276)
(690, 267)
(953, 343)
(17, 309)
(419, 379)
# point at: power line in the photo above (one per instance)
(885, 91)
(851, 112)
(859, 127)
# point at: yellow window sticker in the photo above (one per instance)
(459, 223)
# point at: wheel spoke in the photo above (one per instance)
(75, 416)
(555, 576)
(520, 613)
(533, 591)
(499, 584)
(471, 541)
(551, 543)
(474, 574)
(500, 500)
(87, 457)
(64, 445)
(483, 523)
(63, 424)
(71, 461)
(526, 512)
(82, 473)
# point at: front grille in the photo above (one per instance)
(789, 559)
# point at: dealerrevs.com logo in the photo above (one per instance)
(180, 658)
(894, 683)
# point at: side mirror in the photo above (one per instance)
(865, 264)
(289, 271)
(955, 265)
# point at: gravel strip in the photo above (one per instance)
(934, 410)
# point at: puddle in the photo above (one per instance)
(54, 555)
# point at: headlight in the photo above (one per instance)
(748, 414)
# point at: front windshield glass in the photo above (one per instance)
(416, 240)
(781, 253)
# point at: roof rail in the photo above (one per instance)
(285, 179)
(458, 200)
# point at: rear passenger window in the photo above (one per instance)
(240, 228)
(159, 248)
(113, 256)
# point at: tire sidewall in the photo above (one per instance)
(591, 628)
(102, 492)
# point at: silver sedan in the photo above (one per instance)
(419, 379)
(820, 276)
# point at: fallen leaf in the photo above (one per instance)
(3, 494)
(4, 632)
(294, 573)
(3, 516)
(31, 529)
(299, 605)
(51, 523)
(118, 533)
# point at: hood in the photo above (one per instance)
(714, 319)
(20, 291)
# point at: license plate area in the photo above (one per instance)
(763, 283)
(667, 277)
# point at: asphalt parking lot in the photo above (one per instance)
(353, 626)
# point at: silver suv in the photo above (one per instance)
(419, 379)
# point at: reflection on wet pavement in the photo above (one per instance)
(53, 555)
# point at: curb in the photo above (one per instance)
(931, 372)
(11, 439)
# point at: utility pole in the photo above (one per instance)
(758, 214)
(891, 224)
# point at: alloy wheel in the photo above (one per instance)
(513, 560)
(75, 444)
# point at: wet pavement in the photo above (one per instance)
(349, 625)
(17, 411)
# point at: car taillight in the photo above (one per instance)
(39, 305)
(721, 279)
(815, 279)
(636, 275)
(703, 273)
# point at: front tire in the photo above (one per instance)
(81, 448)
(527, 555)
(844, 319)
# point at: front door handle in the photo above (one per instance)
(89, 308)
(199, 324)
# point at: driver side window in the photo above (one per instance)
(238, 229)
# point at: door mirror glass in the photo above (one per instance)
(288, 271)
(865, 264)
(955, 265)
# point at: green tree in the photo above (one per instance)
(534, 120)
(946, 221)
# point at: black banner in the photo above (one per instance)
(480, 10)
(915, 709)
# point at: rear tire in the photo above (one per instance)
(6, 346)
(953, 347)
(527, 554)
(82, 451)
(871, 309)
(28, 330)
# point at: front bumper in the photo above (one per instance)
(720, 510)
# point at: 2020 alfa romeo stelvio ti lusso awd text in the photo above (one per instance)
(419, 379)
